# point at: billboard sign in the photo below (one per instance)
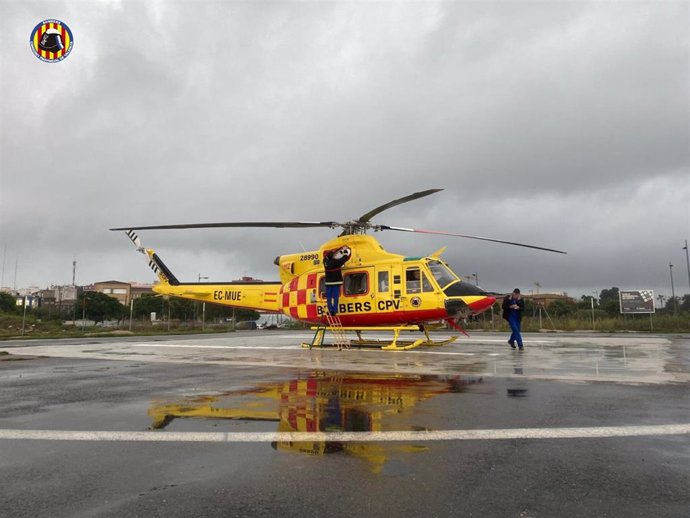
(637, 301)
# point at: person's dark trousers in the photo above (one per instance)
(515, 336)
(332, 297)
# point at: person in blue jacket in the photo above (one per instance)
(513, 306)
(333, 261)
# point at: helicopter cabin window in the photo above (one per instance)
(322, 287)
(383, 282)
(355, 283)
(413, 280)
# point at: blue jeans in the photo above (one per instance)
(332, 297)
(514, 322)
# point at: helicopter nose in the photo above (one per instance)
(455, 307)
(471, 305)
(482, 304)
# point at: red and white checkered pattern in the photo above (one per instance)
(299, 297)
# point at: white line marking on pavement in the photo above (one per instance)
(438, 435)
(281, 348)
(191, 346)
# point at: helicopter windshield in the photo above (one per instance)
(442, 273)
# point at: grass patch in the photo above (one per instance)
(11, 326)
(658, 323)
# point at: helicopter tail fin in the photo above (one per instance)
(155, 262)
(160, 269)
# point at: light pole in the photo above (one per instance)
(592, 301)
(687, 261)
(24, 317)
(196, 306)
(673, 291)
(203, 315)
(131, 312)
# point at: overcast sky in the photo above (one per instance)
(564, 125)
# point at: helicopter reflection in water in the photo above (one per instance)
(324, 402)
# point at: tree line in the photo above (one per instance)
(606, 305)
(100, 307)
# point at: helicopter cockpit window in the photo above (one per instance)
(413, 282)
(441, 273)
(426, 283)
(355, 284)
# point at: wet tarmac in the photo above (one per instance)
(250, 424)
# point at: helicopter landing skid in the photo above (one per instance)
(385, 345)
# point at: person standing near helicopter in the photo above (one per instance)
(333, 261)
(513, 306)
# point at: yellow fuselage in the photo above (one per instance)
(380, 288)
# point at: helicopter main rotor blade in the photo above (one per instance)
(402, 229)
(268, 224)
(366, 217)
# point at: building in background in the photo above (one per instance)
(124, 292)
(59, 300)
(546, 299)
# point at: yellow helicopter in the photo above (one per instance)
(380, 289)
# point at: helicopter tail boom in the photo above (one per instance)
(257, 295)
(244, 294)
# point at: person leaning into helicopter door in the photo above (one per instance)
(333, 261)
(513, 306)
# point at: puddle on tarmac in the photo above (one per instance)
(326, 402)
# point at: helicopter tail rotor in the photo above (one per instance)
(134, 238)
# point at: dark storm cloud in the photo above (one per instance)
(562, 125)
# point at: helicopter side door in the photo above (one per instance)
(387, 289)
(417, 290)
